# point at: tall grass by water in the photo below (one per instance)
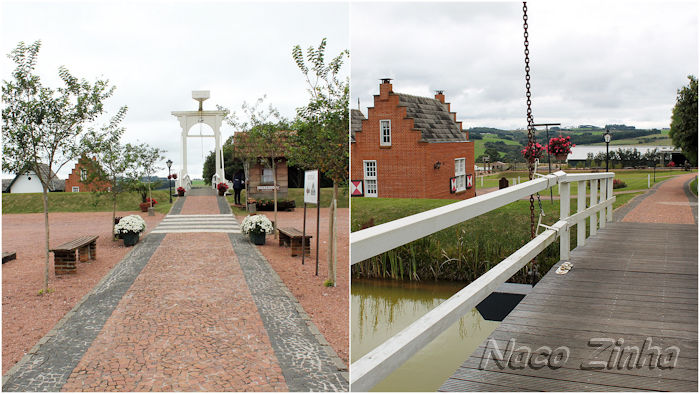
(462, 252)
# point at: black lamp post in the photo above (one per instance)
(607, 138)
(169, 163)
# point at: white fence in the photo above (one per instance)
(385, 358)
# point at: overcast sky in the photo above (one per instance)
(157, 52)
(591, 62)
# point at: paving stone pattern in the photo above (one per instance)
(303, 355)
(48, 365)
(188, 323)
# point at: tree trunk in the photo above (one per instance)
(274, 191)
(46, 228)
(333, 247)
(114, 210)
(149, 192)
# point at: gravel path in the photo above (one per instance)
(666, 204)
(27, 317)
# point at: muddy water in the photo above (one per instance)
(381, 309)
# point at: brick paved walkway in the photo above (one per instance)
(199, 312)
(669, 203)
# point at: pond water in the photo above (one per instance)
(381, 309)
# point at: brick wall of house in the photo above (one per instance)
(406, 169)
(74, 179)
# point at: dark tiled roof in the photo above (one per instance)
(55, 184)
(5, 184)
(356, 118)
(432, 119)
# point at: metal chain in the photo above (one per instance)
(530, 121)
(530, 138)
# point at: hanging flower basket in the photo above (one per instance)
(560, 147)
(532, 152)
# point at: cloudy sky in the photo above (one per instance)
(591, 62)
(157, 52)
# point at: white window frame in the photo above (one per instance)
(461, 173)
(75, 189)
(384, 140)
(371, 184)
(271, 180)
(83, 174)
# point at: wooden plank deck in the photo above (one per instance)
(632, 281)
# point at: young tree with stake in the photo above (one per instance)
(42, 125)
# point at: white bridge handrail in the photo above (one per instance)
(385, 358)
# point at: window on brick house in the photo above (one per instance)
(83, 174)
(370, 170)
(385, 132)
(75, 189)
(461, 174)
(267, 177)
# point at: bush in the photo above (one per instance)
(618, 184)
(269, 205)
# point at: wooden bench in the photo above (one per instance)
(64, 255)
(292, 237)
(8, 256)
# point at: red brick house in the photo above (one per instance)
(410, 147)
(79, 178)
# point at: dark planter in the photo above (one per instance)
(144, 206)
(561, 156)
(130, 239)
(181, 194)
(221, 192)
(257, 238)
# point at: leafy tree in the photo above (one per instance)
(684, 121)
(322, 140)
(115, 161)
(230, 166)
(262, 138)
(146, 159)
(44, 125)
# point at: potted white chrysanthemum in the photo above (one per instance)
(129, 228)
(256, 226)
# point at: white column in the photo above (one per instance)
(603, 190)
(581, 206)
(610, 195)
(184, 154)
(594, 201)
(564, 238)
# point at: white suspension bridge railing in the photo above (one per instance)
(385, 358)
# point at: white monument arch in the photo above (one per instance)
(212, 119)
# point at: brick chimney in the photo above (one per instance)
(385, 88)
(439, 96)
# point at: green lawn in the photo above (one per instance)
(635, 179)
(80, 202)
(461, 252)
(198, 182)
(694, 186)
(480, 145)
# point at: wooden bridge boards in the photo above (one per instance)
(631, 281)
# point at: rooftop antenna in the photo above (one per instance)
(358, 104)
